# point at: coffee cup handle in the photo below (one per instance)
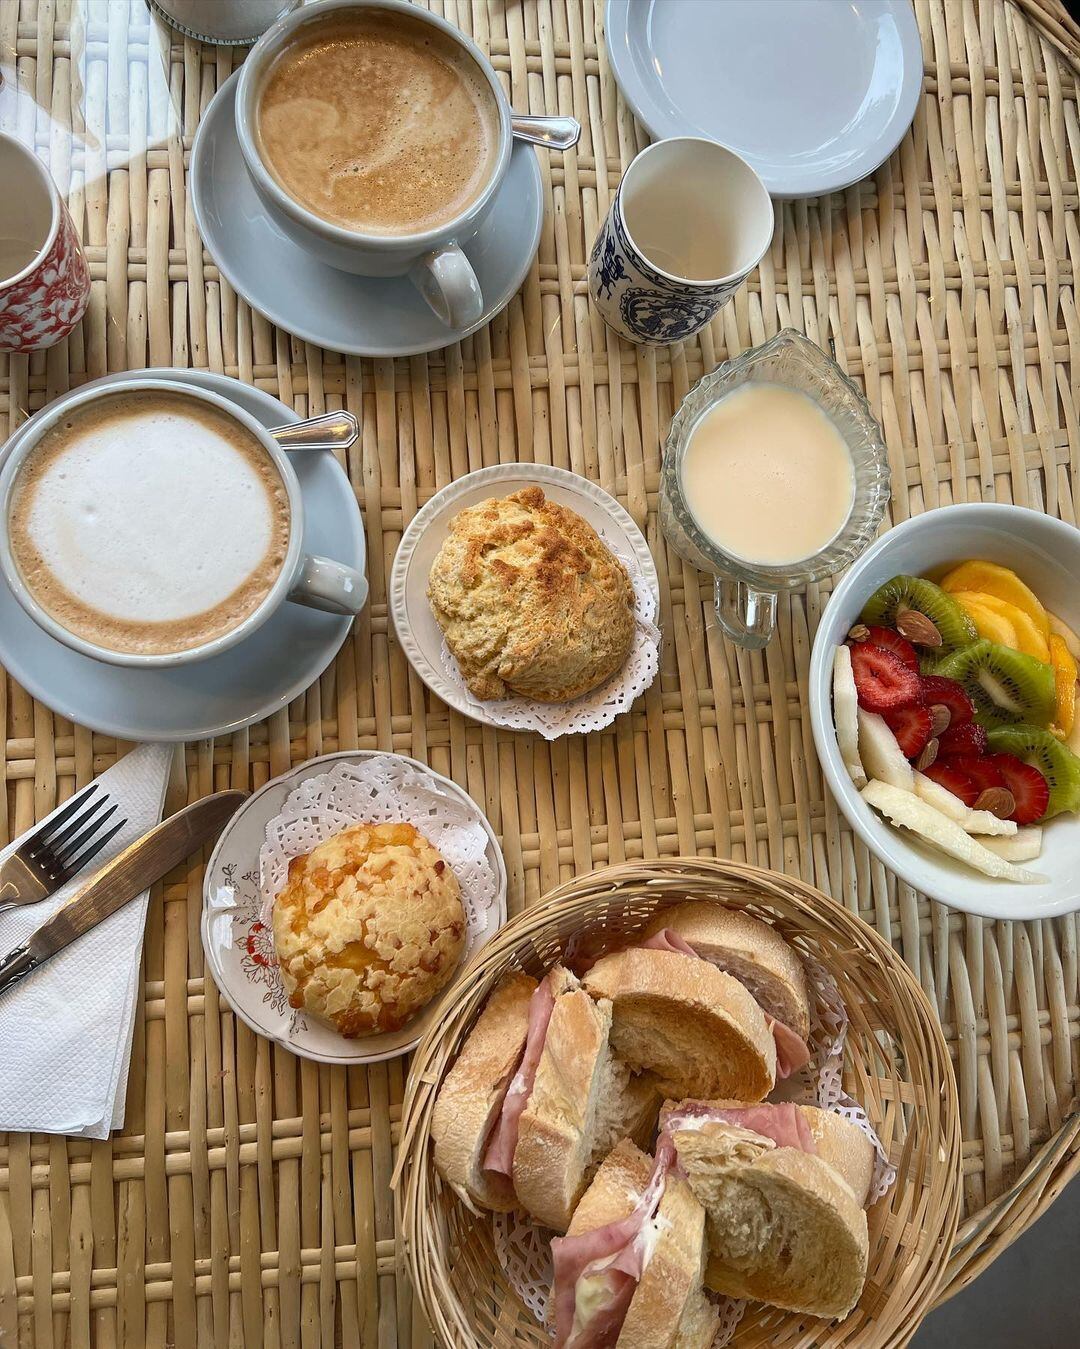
(446, 280)
(329, 586)
(747, 615)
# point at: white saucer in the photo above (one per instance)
(240, 950)
(359, 315)
(414, 622)
(242, 685)
(813, 95)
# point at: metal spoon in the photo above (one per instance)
(557, 133)
(331, 431)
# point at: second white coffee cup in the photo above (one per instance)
(304, 578)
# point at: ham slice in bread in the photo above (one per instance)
(499, 1154)
(536, 1099)
(792, 1051)
(628, 1273)
(778, 1184)
(783, 1122)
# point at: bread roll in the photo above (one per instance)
(531, 601)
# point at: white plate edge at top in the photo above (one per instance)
(289, 781)
(527, 475)
(660, 126)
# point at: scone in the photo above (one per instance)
(530, 600)
(368, 928)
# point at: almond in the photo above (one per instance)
(859, 633)
(928, 756)
(940, 716)
(917, 628)
(998, 801)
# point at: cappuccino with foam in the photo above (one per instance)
(378, 122)
(149, 522)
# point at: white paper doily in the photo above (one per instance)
(523, 1249)
(421, 637)
(294, 814)
(594, 710)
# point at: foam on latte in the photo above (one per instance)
(149, 523)
(378, 122)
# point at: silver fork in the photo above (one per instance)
(58, 849)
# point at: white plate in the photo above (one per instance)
(1046, 554)
(244, 684)
(240, 950)
(419, 634)
(360, 315)
(815, 94)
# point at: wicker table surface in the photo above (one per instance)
(246, 1199)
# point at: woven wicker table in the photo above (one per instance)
(246, 1199)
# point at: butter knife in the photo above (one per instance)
(127, 875)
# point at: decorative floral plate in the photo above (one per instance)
(240, 948)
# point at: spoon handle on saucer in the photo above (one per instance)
(557, 133)
(331, 431)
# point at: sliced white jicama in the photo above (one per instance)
(1024, 846)
(881, 756)
(973, 821)
(906, 809)
(845, 700)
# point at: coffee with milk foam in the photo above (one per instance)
(378, 122)
(149, 523)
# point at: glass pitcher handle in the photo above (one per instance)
(748, 616)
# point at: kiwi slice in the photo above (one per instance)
(915, 592)
(1005, 685)
(1055, 761)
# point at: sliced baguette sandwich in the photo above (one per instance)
(755, 954)
(695, 1028)
(628, 1272)
(471, 1098)
(784, 1225)
(536, 1099)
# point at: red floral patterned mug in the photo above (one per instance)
(44, 279)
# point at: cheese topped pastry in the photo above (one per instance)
(369, 927)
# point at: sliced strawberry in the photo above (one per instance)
(889, 640)
(967, 739)
(945, 775)
(983, 772)
(911, 726)
(882, 680)
(1028, 786)
(938, 689)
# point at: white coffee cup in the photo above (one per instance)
(433, 259)
(689, 222)
(304, 578)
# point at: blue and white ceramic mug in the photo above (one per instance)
(689, 221)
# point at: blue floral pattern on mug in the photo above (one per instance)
(638, 301)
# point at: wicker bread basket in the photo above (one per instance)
(897, 1066)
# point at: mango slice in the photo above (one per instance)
(993, 626)
(1065, 682)
(991, 579)
(1029, 639)
(1066, 634)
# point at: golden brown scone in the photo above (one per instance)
(530, 600)
(368, 928)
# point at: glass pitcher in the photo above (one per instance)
(746, 592)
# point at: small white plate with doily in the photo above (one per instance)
(421, 637)
(238, 942)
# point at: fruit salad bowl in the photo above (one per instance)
(1045, 552)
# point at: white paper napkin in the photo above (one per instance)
(66, 1029)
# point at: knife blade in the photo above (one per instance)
(119, 881)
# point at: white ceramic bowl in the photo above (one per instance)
(1046, 553)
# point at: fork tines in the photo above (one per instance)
(67, 842)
